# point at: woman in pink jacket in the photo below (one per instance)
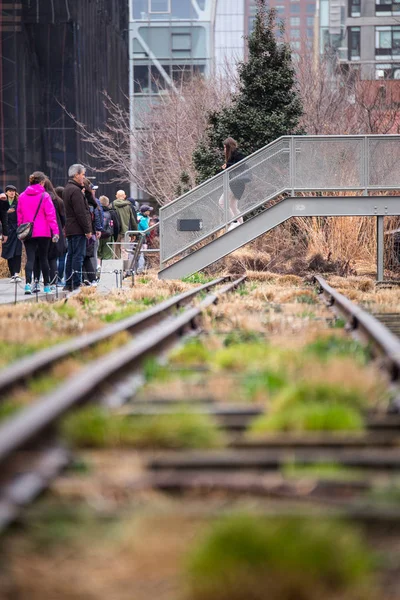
(45, 228)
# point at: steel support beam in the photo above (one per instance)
(379, 248)
(349, 206)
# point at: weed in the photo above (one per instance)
(43, 384)
(312, 416)
(264, 384)
(332, 345)
(245, 557)
(8, 409)
(154, 371)
(144, 280)
(197, 278)
(319, 393)
(192, 353)
(119, 315)
(337, 323)
(306, 314)
(242, 336)
(94, 427)
(66, 310)
(305, 299)
(325, 471)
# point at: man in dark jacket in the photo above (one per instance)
(78, 226)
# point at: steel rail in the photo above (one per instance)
(34, 424)
(365, 326)
(33, 365)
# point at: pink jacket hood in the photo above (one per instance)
(45, 224)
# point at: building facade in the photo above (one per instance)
(56, 55)
(373, 38)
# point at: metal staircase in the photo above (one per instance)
(275, 183)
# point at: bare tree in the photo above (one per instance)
(157, 150)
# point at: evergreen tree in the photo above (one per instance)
(266, 105)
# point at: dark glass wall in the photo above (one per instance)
(57, 53)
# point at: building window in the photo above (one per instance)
(141, 79)
(159, 6)
(295, 8)
(280, 9)
(387, 41)
(295, 33)
(387, 7)
(295, 21)
(387, 71)
(310, 33)
(311, 8)
(181, 42)
(355, 8)
(354, 43)
(310, 21)
(295, 45)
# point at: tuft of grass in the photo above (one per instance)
(306, 299)
(337, 323)
(332, 345)
(197, 278)
(325, 471)
(242, 336)
(124, 313)
(247, 557)
(94, 427)
(8, 408)
(66, 310)
(319, 393)
(312, 416)
(154, 371)
(264, 384)
(194, 352)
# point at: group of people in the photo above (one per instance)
(71, 230)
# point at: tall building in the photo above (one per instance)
(373, 38)
(55, 54)
(298, 17)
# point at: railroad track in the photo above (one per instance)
(31, 455)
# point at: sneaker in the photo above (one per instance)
(233, 225)
(12, 279)
(28, 289)
(36, 288)
(86, 282)
(94, 284)
(17, 278)
(47, 289)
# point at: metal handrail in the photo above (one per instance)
(361, 184)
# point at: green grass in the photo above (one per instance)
(66, 310)
(243, 336)
(124, 313)
(319, 392)
(323, 471)
(337, 323)
(305, 299)
(335, 346)
(247, 557)
(197, 278)
(94, 427)
(194, 352)
(312, 416)
(154, 371)
(264, 384)
(8, 408)
(12, 351)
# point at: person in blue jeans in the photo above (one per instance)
(78, 226)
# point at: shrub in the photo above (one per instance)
(318, 393)
(333, 345)
(250, 558)
(191, 354)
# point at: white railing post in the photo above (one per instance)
(292, 163)
(225, 187)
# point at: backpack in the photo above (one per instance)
(108, 226)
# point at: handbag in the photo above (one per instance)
(25, 230)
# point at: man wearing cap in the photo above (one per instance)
(126, 218)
